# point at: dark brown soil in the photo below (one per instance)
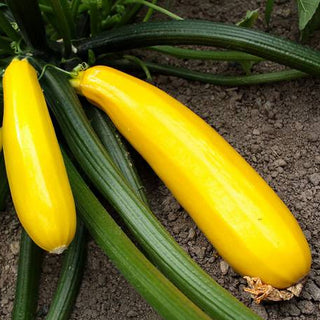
(277, 130)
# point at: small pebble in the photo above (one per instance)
(293, 310)
(298, 126)
(307, 165)
(315, 178)
(279, 163)
(308, 235)
(280, 169)
(306, 307)
(172, 216)
(14, 247)
(314, 290)
(313, 137)
(255, 113)
(132, 314)
(191, 234)
(224, 267)
(260, 310)
(256, 132)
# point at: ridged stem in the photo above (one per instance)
(27, 286)
(7, 28)
(63, 14)
(28, 17)
(70, 277)
(183, 53)
(110, 138)
(162, 295)
(198, 32)
(206, 77)
(4, 187)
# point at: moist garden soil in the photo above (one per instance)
(276, 128)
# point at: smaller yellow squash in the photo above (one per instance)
(36, 173)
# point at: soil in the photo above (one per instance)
(276, 128)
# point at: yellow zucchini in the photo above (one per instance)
(239, 213)
(36, 173)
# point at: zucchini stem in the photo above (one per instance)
(198, 32)
(162, 295)
(206, 77)
(27, 286)
(70, 277)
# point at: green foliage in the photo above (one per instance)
(248, 21)
(268, 11)
(306, 10)
(313, 25)
(250, 18)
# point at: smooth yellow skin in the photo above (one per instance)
(239, 213)
(36, 173)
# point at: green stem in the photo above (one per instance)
(110, 22)
(27, 286)
(155, 7)
(112, 141)
(4, 187)
(45, 8)
(268, 11)
(62, 12)
(5, 45)
(198, 32)
(28, 17)
(149, 12)
(161, 294)
(7, 28)
(222, 80)
(94, 17)
(106, 7)
(74, 8)
(70, 277)
(141, 64)
(129, 14)
(205, 54)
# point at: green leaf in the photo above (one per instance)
(312, 25)
(62, 11)
(306, 10)
(247, 66)
(268, 11)
(7, 28)
(249, 20)
(28, 17)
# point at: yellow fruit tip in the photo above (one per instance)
(59, 250)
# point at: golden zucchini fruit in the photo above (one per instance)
(239, 213)
(36, 173)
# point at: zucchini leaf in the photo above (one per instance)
(313, 25)
(250, 18)
(248, 21)
(306, 10)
